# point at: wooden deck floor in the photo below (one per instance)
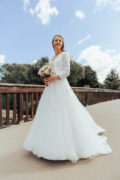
(17, 164)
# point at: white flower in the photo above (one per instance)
(46, 70)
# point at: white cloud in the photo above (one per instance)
(114, 4)
(34, 61)
(101, 61)
(102, 2)
(2, 58)
(26, 3)
(80, 14)
(110, 51)
(43, 11)
(31, 11)
(84, 39)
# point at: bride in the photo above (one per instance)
(62, 128)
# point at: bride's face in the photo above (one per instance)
(57, 42)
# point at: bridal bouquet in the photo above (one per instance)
(46, 71)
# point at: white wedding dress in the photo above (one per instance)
(62, 129)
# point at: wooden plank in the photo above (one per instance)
(27, 107)
(86, 99)
(40, 88)
(32, 105)
(21, 106)
(98, 97)
(20, 89)
(0, 109)
(14, 108)
(7, 108)
(36, 100)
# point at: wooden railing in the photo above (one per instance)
(24, 100)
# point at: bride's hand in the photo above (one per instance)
(49, 79)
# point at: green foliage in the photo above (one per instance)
(102, 86)
(22, 73)
(76, 74)
(90, 77)
(33, 77)
(14, 73)
(112, 80)
(79, 75)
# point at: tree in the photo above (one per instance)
(76, 74)
(33, 77)
(28, 74)
(101, 85)
(90, 77)
(112, 81)
(14, 73)
(22, 73)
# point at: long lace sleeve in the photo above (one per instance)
(66, 66)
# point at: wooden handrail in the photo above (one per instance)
(86, 96)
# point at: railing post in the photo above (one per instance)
(36, 100)
(0, 109)
(27, 107)
(86, 98)
(7, 108)
(18, 107)
(14, 108)
(32, 105)
(21, 106)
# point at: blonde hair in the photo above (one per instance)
(62, 48)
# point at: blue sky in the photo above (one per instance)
(91, 31)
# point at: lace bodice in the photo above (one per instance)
(61, 65)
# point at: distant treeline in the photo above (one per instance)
(80, 76)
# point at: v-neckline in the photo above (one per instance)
(56, 56)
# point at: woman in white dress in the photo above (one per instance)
(62, 128)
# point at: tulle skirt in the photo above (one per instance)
(62, 128)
